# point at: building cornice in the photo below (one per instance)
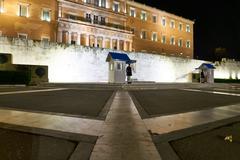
(156, 10)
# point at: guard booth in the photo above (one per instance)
(117, 67)
(206, 73)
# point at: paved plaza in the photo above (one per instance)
(120, 122)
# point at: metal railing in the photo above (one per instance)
(103, 23)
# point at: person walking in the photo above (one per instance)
(129, 73)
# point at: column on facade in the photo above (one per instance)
(69, 37)
(87, 39)
(78, 38)
(103, 42)
(95, 41)
(59, 36)
(118, 44)
(125, 45)
(130, 46)
(110, 40)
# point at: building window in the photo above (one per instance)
(119, 66)
(95, 19)
(154, 19)
(45, 39)
(96, 2)
(103, 3)
(23, 10)
(22, 36)
(154, 36)
(132, 12)
(180, 27)
(88, 1)
(143, 16)
(116, 7)
(143, 35)
(111, 66)
(133, 30)
(88, 17)
(46, 15)
(1, 6)
(164, 21)
(103, 20)
(180, 43)
(163, 39)
(188, 28)
(172, 40)
(172, 24)
(73, 17)
(188, 44)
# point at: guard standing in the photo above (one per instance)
(129, 73)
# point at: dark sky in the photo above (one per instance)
(217, 23)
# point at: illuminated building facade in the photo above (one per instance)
(115, 24)
(28, 19)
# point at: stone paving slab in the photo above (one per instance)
(229, 90)
(172, 123)
(210, 145)
(23, 88)
(88, 103)
(24, 143)
(52, 122)
(154, 103)
(123, 135)
(184, 141)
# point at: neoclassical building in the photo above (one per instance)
(116, 24)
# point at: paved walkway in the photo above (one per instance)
(53, 122)
(170, 123)
(124, 135)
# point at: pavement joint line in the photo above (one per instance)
(213, 92)
(33, 91)
(124, 134)
(53, 122)
(155, 124)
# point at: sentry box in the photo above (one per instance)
(117, 67)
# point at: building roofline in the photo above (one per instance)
(150, 8)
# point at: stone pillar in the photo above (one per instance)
(130, 46)
(110, 40)
(69, 37)
(103, 42)
(96, 41)
(125, 45)
(59, 36)
(78, 38)
(87, 39)
(118, 42)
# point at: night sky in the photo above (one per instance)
(217, 24)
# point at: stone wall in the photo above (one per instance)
(83, 64)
